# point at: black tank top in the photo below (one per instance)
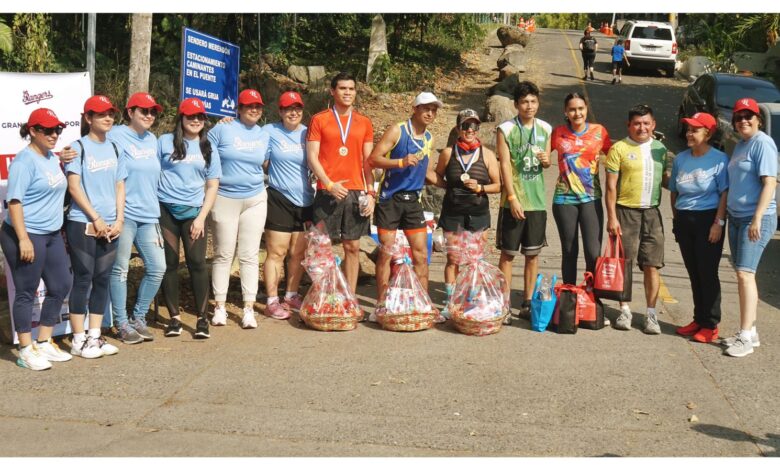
(458, 200)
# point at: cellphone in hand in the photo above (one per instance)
(90, 230)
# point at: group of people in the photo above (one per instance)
(589, 46)
(128, 188)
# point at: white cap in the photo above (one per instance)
(427, 97)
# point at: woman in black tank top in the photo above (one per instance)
(466, 205)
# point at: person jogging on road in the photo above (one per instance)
(523, 147)
(588, 46)
(404, 153)
(618, 56)
(338, 145)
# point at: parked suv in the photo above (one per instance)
(650, 44)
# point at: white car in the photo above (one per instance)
(650, 44)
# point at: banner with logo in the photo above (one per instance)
(22, 93)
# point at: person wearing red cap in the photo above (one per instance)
(699, 187)
(96, 182)
(338, 145)
(290, 198)
(189, 164)
(752, 217)
(31, 241)
(138, 148)
(240, 208)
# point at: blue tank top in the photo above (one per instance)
(410, 178)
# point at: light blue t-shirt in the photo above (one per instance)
(617, 53)
(139, 153)
(751, 160)
(699, 181)
(103, 171)
(39, 184)
(288, 170)
(184, 181)
(241, 153)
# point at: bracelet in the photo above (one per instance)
(480, 188)
(96, 218)
(400, 163)
(511, 197)
(329, 186)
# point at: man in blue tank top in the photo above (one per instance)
(404, 153)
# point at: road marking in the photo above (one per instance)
(576, 63)
(663, 291)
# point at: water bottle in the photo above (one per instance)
(363, 200)
(546, 289)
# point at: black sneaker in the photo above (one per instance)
(202, 329)
(525, 310)
(614, 80)
(173, 328)
(591, 76)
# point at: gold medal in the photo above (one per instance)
(464, 177)
(343, 151)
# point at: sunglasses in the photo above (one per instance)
(49, 130)
(743, 117)
(195, 117)
(148, 111)
(469, 126)
(293, 109)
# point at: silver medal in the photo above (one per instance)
(464, 177)
(343, 151)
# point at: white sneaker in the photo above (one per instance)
(728, 342)
(249, 318)
(88, 349)
(52, 352)
(220, 316)
(31, 358)
(108, 349)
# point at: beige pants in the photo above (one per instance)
(241, 220)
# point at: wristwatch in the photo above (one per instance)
(720, 222)
(371, 193)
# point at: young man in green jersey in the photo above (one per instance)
(523, 147)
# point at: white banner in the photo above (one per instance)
(21, 94)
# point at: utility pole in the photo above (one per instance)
(91, 27)
(140, 49)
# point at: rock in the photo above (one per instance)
(317, 76)
(432, 199)
(695, 66)
(514, 58)
(313, 75)
(298, 73)
(512, 35)
(499, 108)
(506, 87)
(506, 72)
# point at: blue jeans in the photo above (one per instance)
(148, 241)
(746, 254)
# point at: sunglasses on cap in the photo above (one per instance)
(49, 130)
(469, 126)
(196, 117)
(743, 116)
(147, 111)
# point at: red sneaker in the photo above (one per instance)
(705, 335)
(688, 330)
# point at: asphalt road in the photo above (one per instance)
(284, 390)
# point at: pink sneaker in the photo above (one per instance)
(277, 311)
(294, 302)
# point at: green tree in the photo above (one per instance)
(31, 37)
(6, 38)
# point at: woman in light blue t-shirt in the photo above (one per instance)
(290, 198)
(752, 215)
(699, 187)
(96, 182)
(188, 188)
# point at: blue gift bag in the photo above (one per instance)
(542, 310)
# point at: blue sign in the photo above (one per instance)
(209, 71)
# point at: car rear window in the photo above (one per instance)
(776, 129)
(728, 94)
(652, 32)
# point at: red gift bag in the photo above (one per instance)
(612, 279)
(590, 310)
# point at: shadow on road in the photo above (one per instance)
(768, 446)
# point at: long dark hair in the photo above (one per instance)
(574, 96)
(180, 147)
(85, 128)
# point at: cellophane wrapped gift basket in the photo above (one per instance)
(478, 304)
(329, 305)
(407, 306)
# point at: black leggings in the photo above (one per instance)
(91, 259)
(588, 59)
(50, 264)
(590, 219)
(174, 230)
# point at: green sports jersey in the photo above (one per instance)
(527, 172)
(641, 168)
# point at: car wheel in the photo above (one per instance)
(669, 71)
(680, 125)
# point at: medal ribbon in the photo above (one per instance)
(344, 133)
(409, 129)
(471, 160)
(532, 140)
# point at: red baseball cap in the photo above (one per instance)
(192, 106)
(44, 117)
(290, 98)
(99, 104)
(746, 103)
(250, 96)
(143, 100)
(704, 120)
